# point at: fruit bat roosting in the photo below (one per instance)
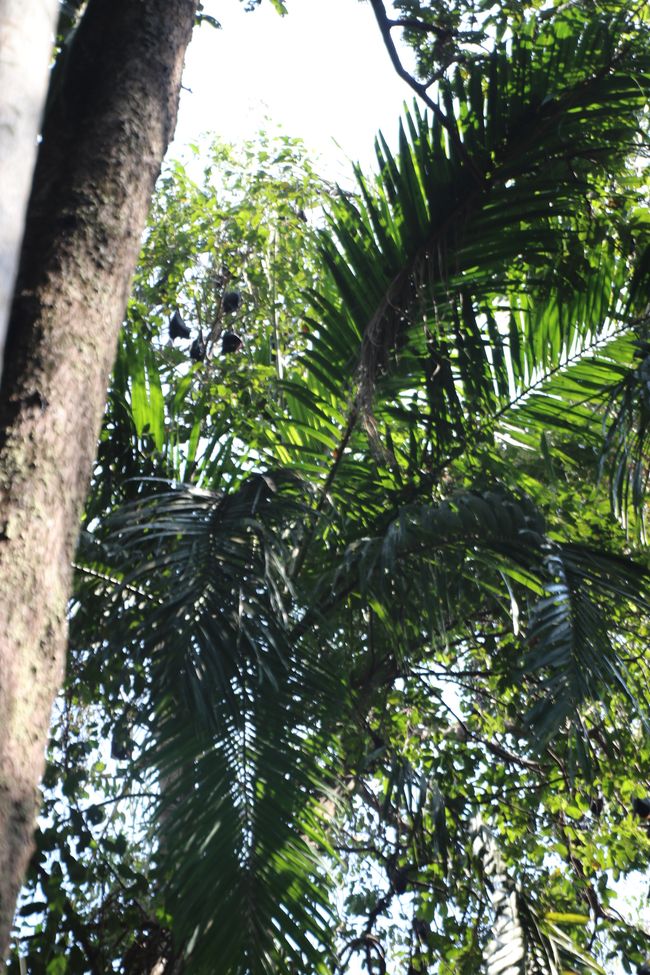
(231, 301)
(177, 327)
(197, 349)
(230, 342)
(641, 807)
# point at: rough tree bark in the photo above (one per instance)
(26, 32)
(111, 114)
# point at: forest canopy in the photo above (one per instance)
(357, 674)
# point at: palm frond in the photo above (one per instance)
(237, 731)
(626, 451)
(424, 264)
(490, 555)
(501, 534)
(216, 580)
(242, 834)
(577, 637)
(599, 396)
(573, 400)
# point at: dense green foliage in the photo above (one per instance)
(357, 668)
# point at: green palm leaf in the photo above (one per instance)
(242, 836)
(425, 263)
(626, 451)
(489, 553)
(215, 575)
(575, 638)
(238, 730)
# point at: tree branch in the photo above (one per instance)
(385, 26)
(412, 23)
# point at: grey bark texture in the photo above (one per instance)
(26, 34)
(111, 113)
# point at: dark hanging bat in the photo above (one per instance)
(641, 807)
(197, 349)
(230, 342)
(121, 746)
(596, 805)
(177, 327)
(231, 301)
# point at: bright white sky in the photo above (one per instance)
(321, 73)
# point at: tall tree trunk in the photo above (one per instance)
(26, 31)
(111, 114)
